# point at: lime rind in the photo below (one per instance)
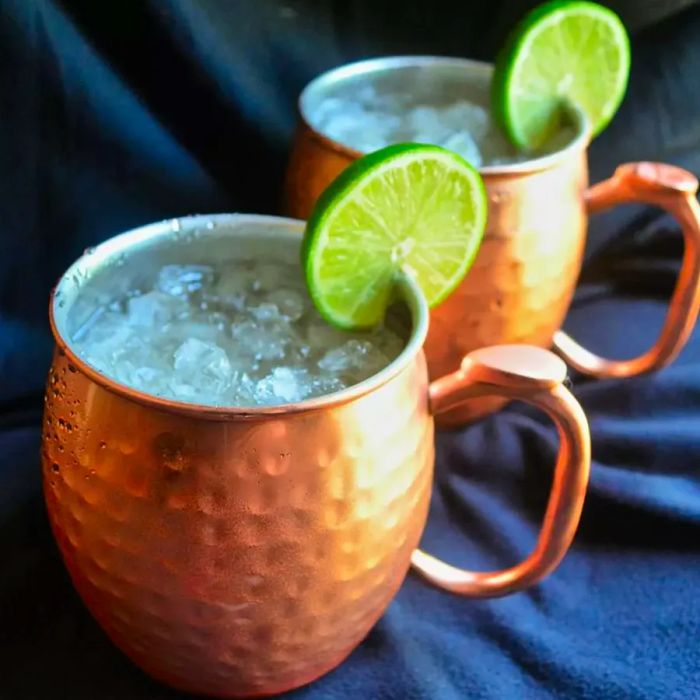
(518, 66)
(405, 209)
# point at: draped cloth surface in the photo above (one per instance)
(115, 114)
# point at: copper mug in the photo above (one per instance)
(246, 551)
(524, 276)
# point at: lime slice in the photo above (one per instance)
(562, 52)
(406, 209)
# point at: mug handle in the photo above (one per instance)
(672, 189)
(536, 376)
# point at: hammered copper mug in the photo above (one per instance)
(524, 276)
(245, 551)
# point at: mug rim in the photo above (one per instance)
(95, 259)
(481, 68)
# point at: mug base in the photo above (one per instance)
(272, 691)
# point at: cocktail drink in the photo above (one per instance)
(237, 488)
(241, 333)
(379, 112)
(562, 57)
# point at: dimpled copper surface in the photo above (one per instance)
(236, 557)
(524, 276)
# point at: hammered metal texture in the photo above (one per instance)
(522, 281)
(236, 557)
(524, 276)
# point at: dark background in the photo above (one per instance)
(117, 113)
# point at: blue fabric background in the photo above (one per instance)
(113, 114)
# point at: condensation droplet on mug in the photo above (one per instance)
(337, 512)
(169, 448)
(275, 465)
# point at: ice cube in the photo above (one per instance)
(266, 312)
(353, 355)
(242, 388)
(152, 380)
(111, 341)
(180, 280)
(261, 341)
(236, 283)
(269, 276)
(361, 127)
(322, 385)
(201, 330)
(152, 309)
(218, 320)
(289, 302)
(463, 144)
(108, 327)
(283, 385)
(337, 113)
(199, 360)
(339, 126)
(466, 116)
(328, 109)
(426, 126)
(367, 94)
(185, 391)
(149, 377)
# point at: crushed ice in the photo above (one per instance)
(369, 120)
(243, 333)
